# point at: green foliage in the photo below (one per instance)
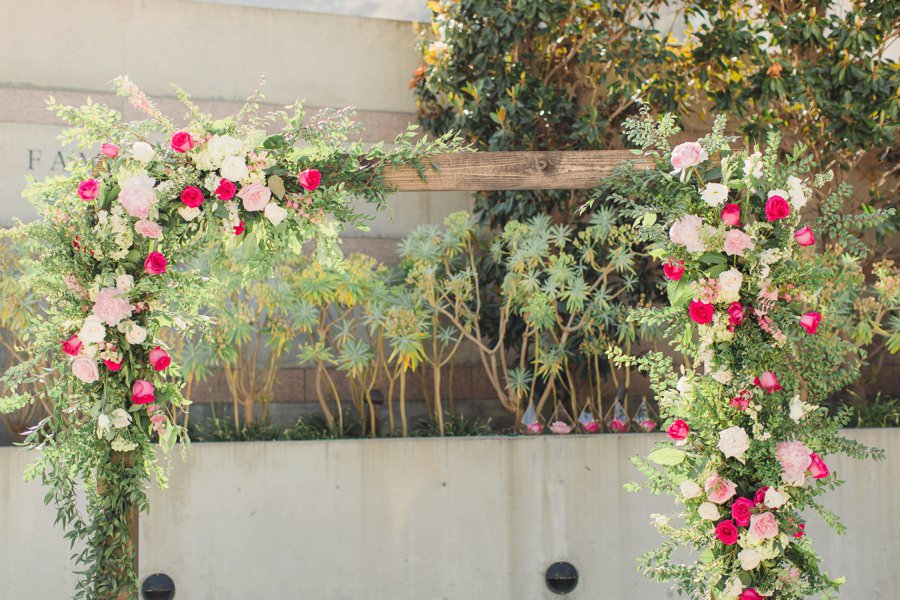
(541, 75)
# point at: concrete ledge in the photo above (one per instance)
(426, 519)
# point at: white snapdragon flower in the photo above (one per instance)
(103, 426)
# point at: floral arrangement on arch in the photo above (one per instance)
(749, 438)
(118, 234)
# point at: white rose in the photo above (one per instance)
(220, 147)
(734, 442)
(775, 498)
(723, 376)
(690, 489)
(120, 418)
(234, 168)
(134, 333)
(92, 331)
(708, 511)
(103, 425)
(124, 283)
(734, 589)
(274, 213)
(142, 152)
(798, 192)
(188, 214)
(714, 194)
(730, 283)
(749, 558)
(753, 166)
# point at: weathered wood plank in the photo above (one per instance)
(485, 171)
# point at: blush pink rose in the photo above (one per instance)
(560, 428)
(685, 231)
(673, 269)
(181, 141)
(701, 312)
(225, 190)
(72, 346)
(817, 467)
(142, 392)
(687, 155)
(764, 526)
(804, 237)
(109, 150)
(810, 322)
(678, 430)
(768, 381)
(731, 215)
(85, 369)
(136, 200)
(777, 208)
(159, 359)
(718, 489)
(741, 511)
(155, 264)
(110, 307)
(89, 189)
(794, 458)
(727, 533)
(148, 229)
(737, 242)
(309, 179)
(255, 196)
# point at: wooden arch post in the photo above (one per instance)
(481, 172)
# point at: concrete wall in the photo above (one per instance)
(426, 519)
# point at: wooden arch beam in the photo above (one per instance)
(529, 170)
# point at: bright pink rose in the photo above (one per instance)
(85, 369)
(181, 141)
(810, 322)
(89, 189)
(142, 392)
(109, 150)
(192, 196)
(678, 430)
(618, 426)
(737, 242)
(149, 229)
(741, 401)
(718, 489)
(801, 529)
(113, 366)
(155, 264)
(309, 179)
(647, 424)
(136, 200)
(535, 428)
(764, 526)
(255, 196)
(592, 426)
(735, 314)
(794, 458)
(751, 594)
(731, 215)
(777, 208)
(817, 467)
(727, 532)
(760, 496)
(225, 190)
(239, 228)
(805, 237)
(110, 307)
(768, 381)
(72, 346)
(159, 359)
(673, 269)
(741, 511)
(701, 312)
(687, 155)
